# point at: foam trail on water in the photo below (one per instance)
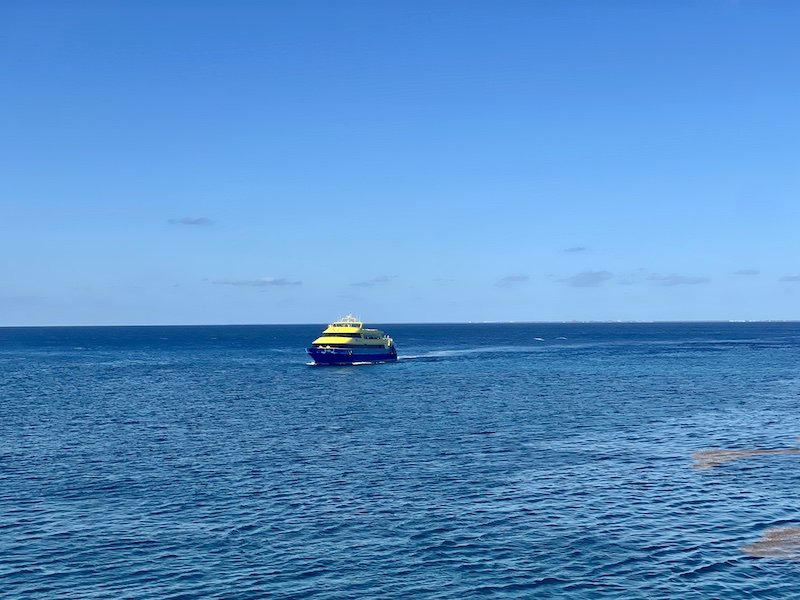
(441, 354)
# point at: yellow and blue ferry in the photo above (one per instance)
(347, 341)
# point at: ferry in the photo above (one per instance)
(347, 341)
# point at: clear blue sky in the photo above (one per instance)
(280, 162)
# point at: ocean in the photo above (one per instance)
(492, 460)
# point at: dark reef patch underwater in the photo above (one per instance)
(499, 460)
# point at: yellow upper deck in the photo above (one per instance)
(347, 324)
(351, 332)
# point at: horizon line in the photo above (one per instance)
(490, 322)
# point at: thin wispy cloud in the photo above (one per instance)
(510, 280)
(262, 282)
(790, 277)
(587, 279)
(576, 249)
(192, 221)
(673, 279)
(747, 272)
(633, 278)
(372, 282)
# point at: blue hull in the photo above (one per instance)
(342, 356)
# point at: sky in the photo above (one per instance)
(203, 162)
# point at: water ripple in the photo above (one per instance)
(215, 464)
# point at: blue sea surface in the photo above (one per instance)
(492, 460)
